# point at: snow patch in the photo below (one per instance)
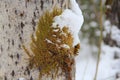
(21, 79)
(71, 18)
(93, 24)
(65, 46)
(115, 34)
(108, 65)
(49, 41)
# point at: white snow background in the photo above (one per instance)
(108, 66)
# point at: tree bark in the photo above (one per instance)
(18, 20)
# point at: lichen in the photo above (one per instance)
(46, 52)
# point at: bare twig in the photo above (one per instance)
(100, 40)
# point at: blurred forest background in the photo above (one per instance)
(100, 41)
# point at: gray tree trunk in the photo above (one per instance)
(18, 20)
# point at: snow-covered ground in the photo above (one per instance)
(109, 66)
(86, 63)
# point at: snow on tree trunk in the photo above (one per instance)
(18, 20)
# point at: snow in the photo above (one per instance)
(109, 66)
(71, 18)
(86, 63)
(108, 6)
(115, 32)
(118, 79)
(65, 46)
(49, 41)
(21, 79)
(93, 24)
(107, 27)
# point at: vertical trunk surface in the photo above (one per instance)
(18, 20)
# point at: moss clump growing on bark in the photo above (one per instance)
(51, 47)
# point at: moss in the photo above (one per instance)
(47, 54)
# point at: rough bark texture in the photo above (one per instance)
(18, 20)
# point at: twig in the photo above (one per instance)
(100, 40)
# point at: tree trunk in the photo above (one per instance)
(18, 20)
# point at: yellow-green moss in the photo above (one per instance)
(50, 56)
